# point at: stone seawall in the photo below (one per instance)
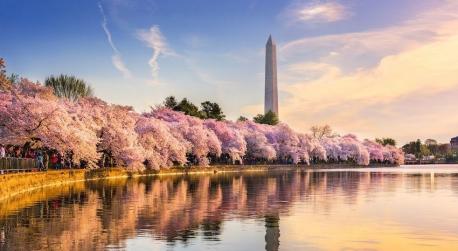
(13, 184)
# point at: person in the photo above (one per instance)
(54, 160)
(17, 152)
(30, 154)
(45, 159)
(60, 161)
(39, 157)
(2, 151)
(9, 151)
(68, 160)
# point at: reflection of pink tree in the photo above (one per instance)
(178, 208)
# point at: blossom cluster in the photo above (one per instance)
(163, 138)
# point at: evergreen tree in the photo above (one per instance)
(242, 118)
(188, 108)
(212, 111)
(270, 118)
(170, 102)
(68, 87)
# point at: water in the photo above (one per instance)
(408, 208)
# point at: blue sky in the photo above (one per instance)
(214, 50)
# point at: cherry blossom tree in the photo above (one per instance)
(258, 146)
(161, 147)
(92, 129)
(118, 136)
(31, 113)
(232, 141)
(203, 142)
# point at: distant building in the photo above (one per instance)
(454, 143)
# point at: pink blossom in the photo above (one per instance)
(163, 138)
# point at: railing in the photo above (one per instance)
(17, 164)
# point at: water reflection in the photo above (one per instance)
(196, 211)
(272, 232)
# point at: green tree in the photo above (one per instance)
(444, 149)
(209, 110)
(432, 145)
(386, 141)
(212, 111)
(4, 80)
(170, 102)
(409, 147)
(270, 118)
(413, 147)
(430, 142)
(188, 108)
(13, 78)
(417, 147)
(242, 118)
(424, 151)
(68, 87)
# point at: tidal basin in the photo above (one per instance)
(405, 208)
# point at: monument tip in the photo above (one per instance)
(270, 40)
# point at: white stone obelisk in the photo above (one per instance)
(271, 92)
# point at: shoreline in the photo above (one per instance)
(15, 184)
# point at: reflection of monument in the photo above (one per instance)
(271, 92)
(272, 232)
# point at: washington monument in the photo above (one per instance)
(271, 92)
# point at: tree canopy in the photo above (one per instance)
(162, 137)
(430, 147)
(209, 110)
(212, 111)
(4, 81)
(242, 118)
(68, 87)
(270, 118)
(170, 102)
(386, 141)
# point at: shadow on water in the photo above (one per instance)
(177, 210)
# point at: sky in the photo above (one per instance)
(373, 68)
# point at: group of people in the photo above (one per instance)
(10, 151)
(44, 158)
(54, 160)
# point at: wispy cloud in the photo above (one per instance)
(315, 12)
(116, 59)
(154, 39)
(380, 82)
